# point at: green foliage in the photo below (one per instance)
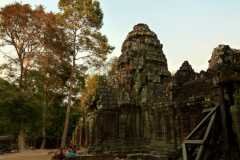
(17, 109)
(88, 11)
(6, 93)
(82, 21)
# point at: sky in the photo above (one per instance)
(188, 29)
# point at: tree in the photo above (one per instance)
(16, 20)
(23, 28)
(82, 20)
(17, 111)
(20, 28)
(53, 66)
(7, 91)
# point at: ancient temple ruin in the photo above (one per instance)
(148, 113)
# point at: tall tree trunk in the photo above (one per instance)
(67, 116)
(43, 144)
(21, 134)
(66, 124)
(44, 112)
(21, 140)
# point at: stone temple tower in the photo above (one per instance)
(145, 85)
(137, 116)
(143, 67)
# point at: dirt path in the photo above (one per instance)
(29, 155)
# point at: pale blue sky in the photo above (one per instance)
(188, 29)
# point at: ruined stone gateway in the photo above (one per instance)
(148, 113)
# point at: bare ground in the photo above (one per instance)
(29, 155)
